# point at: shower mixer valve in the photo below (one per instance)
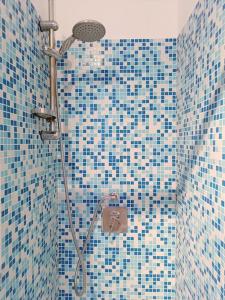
(114, 219)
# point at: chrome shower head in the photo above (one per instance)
(85, 31)
(88, 31)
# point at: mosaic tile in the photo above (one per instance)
(28, 223)
(200, 154)
(118, 100)
(124, 132)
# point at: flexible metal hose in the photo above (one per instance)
(75, 240)
(90, 231)
(72, 230)
(81, 262)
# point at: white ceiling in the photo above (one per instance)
(122, 18)
(185, 8)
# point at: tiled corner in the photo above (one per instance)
(28, 220)
(201, 154)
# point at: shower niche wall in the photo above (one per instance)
(119, 120)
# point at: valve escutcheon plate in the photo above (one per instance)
(114, 219)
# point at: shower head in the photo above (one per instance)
(88, 31)
(85, 31)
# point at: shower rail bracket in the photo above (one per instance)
(49, 135)
(44, 113)
(47, 25)
(51, 52)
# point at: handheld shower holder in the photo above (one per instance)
(47, 25)
(49, 135)
(51, 52)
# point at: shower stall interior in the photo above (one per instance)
(128, 135)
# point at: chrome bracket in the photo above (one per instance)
(44, 113)
(51, 52)
(47, 25)
(49, 135)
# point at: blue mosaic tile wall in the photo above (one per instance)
(201, 154)
(28, 207)
(119, 121)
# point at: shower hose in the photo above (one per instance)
(81, 261)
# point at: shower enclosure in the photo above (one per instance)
(112, 150)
